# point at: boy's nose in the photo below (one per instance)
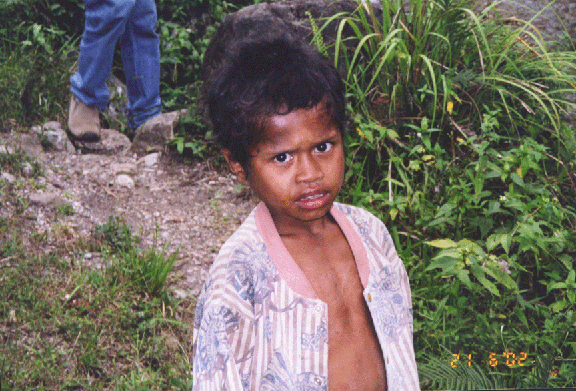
(309, 170)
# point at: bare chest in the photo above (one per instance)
(355, 357)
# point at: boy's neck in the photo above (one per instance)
(310, 229)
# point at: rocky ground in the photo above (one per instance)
(190, 208)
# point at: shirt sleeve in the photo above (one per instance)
(222, 343)
(391, 306)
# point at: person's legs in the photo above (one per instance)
(141, 61)
(105, 23)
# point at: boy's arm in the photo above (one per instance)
(223, 343)
(405, 376)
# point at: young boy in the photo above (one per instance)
(307, 294)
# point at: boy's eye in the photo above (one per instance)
(282, 157)
(324, 147)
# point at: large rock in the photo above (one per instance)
(153, 134)
(28, 143)
(54, 137)
(275, 19)
(111, 142)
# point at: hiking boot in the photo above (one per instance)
(83, 121)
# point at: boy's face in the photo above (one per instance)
(297, 167)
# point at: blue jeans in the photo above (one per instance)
(132, 22)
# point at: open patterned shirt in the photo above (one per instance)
(260, 326)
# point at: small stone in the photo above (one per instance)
(179, 294)
(27, 170)
(52, 125)
(123, 168)
(47, 199)
(7, 177)
(57, 139)
(111, 142)
(124, 181)
(30, 144)
(151, 159)
(6, 150)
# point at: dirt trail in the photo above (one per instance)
(191, 208)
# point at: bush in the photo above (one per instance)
(458, 145)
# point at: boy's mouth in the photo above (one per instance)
(313, 201)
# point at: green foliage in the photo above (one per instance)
(35, 60)
(35, 75)
(488, 233)
(116, 235)
(439, 60)
(458, 146)
(144, 270)
(99, 329)
(65, 210)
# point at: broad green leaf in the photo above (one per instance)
(516, 179)
(506, 241)
(463, 276)
(571, 294)
(442, 243)
(468, 245)
(492, 241)
(445, 210)
(567, 261)
(445, 263)
(479, 273)
(521, 315)
(559, 305)
(495, 239)
(493, 207)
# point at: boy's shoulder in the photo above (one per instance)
(242, 268)
(366, 222)
(244, 243)
(354, 212)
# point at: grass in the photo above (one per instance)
(69, 327)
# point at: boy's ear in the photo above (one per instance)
(235, 167)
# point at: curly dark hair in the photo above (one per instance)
(260, 78)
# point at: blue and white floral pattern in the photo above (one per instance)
(391, 312)
(278, 377)
(312, 341)
(249, 270)
(213, 349)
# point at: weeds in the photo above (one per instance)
(457, 145)
(19, 163)
(114, 328)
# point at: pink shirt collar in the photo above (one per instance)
(287, 267)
